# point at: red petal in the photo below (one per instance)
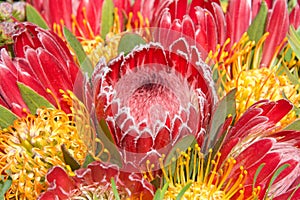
(61, 179)
(162, 138)
(277, 26)
(270, 161)
(129, 141)
(144, 143)
(254, 153)
(294, 17)
(220, 23)
(239, 12)
(188, 28)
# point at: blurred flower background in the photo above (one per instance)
(150, 99)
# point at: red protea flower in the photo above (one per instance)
(154, 96)
(41, 61)
(95, 182)
(253, 141)
(251, 160)
(83, 18)
(206, 22)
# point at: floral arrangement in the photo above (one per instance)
(150, 99)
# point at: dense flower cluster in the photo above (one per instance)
(149, 99)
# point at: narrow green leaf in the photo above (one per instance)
(183, 190)
(6, 117)
(4, 186)
(88, 159)
(84, 61)
(224, 108)
(257, 173)
(295, 190)
(114, 189)
(292, 77)
(157, 195)
(32, 99)
(107, 19)
(160, 193)
(183, 144)
(257, 27)
(294, 40)
(69, 159)
(164, 189)
(294, 126)
(129, 41)
(103, 133)
(275, 175)
(34, 16)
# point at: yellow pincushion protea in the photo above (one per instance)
(204, 179)
(240, 68)
(32, 145)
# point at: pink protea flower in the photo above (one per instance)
(95, 181)
(154, 96)
(41, 61)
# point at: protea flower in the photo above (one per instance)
(254, 161)
(154, 96)
(206, 22)
(33, 145)
(41, 61)
(94, 182)
(98, 35)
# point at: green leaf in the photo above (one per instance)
(183, 190)
(84, 61)
(103, 133)
(114, 189)
(129, 41)
(224, 108)
(294, 40)
(107, 19)
(295, 190)
(159, 194)
(7, 117)
(4, 186)
(292, 77)
(295, 125)
(32, 99)
(182, 145)
(69, 159)
(88, 159)
(256, 174)
(257, 27)
(34, 16)
(275, 175)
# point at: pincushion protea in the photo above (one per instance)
(41, 61)
(94, 182)
(154, 96)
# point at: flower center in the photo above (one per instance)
(152, 102)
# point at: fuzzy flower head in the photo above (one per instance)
(33, 144)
